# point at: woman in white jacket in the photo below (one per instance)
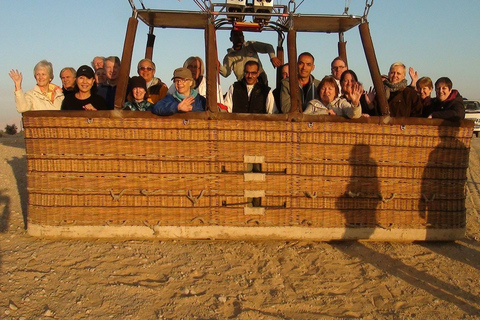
(45, 95)
(331, 104)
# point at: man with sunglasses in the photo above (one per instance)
(156, 89)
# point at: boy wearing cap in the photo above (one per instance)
(139, 96)
(184, 99)
(85, 95)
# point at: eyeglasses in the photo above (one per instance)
(179, 80)
(253, 74)
(145, 68)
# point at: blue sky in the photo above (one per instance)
(436, 37)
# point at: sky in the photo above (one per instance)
(436, 37)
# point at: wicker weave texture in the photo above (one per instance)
(173, 172)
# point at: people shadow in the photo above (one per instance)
(362, 195)
(460, 251)
(360, 209)
(442, 200)
(466, 301)
(4, 217)
(19, 169)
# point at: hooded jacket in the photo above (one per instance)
(451, 109)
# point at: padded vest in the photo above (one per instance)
(258, 98)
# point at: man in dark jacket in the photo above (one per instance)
(250, 95)
(448, 104)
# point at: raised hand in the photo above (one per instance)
(276, 62)
(17, 78)
(186, 104)
(357, 91)
(370, 95)
(413, 75)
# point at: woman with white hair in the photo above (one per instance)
(403, 100)
(44, 96)
(197, 67)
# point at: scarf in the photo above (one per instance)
(50, 94)
(180, 97)
(393, 87)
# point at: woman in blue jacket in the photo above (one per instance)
(184, 99)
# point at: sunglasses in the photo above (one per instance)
(145, 68)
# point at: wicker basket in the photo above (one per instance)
(96, 174)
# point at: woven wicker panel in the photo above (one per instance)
(331, 186)
(120, 133)
(386, 219)
(130, 124)
(121, 181)
(119, 215)
(130, 165)
(114, 149)
(389, 135)
(176, 172)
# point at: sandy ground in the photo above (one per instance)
(68, 279)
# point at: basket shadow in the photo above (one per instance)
(464, 300)
(19, 169)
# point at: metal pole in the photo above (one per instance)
(211, 73)
(126, 63)
(373, 66)
(150, 43)
(295, 101)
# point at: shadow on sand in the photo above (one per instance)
(460, 251)
(4, 217)
(447, 292)
(19, 169)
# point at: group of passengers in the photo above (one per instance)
(337, 94)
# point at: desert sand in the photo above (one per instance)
(118, 279)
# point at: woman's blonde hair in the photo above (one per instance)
(191, 59)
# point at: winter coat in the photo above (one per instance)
(340, 106)
(451, 109)
(169, 105)
(405, 103)
(35, 100)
